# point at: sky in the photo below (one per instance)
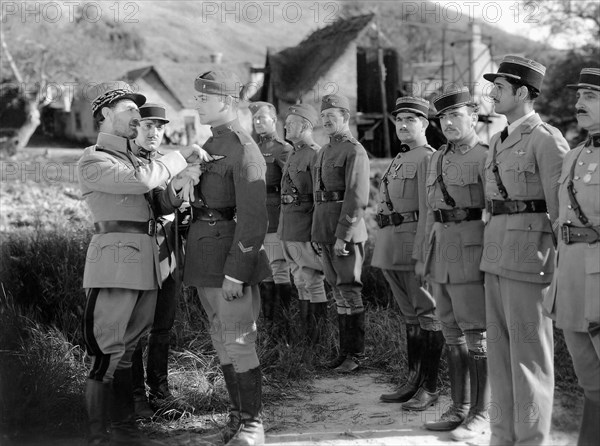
(508, 15)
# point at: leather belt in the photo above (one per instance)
(213, 215)
(273, 189)
(456, 215)
(325, 195)
(296, 198)
(497, 207)
(130, 227)
(574, 234)
(396, 218)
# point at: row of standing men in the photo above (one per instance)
(431, 231)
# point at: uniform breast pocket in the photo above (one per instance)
(587, 189)
(522, 178)
(466, 189)
(403, 184)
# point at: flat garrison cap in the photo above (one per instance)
(452, 97)
(256, 106)
(154, 111)
(412, 104)
(305, 111)
(527, 71)
(109, 92)
(588, 78)
(222, 83)
(335, 101)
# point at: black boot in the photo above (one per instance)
(267, 298)
(343, 343)
(124, 431)
(355, 329)
(304, 307)
(233, 420)
(415, 346)
(477, 421)
(589, 432)
(97, 396)
(283, 295)
(140, 400)
(458, 368)
(317, 321)
(427, 395)
(251, 431)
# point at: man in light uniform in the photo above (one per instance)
(296, 218)
(572, 299)
(341, 193)
(400, 253)
(522, 171)
(456, 198)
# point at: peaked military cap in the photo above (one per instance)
(412, 104)
(588, 78)
(305, 111)
(154, 111)
(222, 83)
(335, 101)
(256, 106)
(527, 71)
(109, 92)
(452, 97)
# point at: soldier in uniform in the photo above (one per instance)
(150, 135)
(122, 270)
(341, 194)
(400, 251)
(572, 299)
(296, 218)
(522, 172)
(454, 230)
(275, 290)
(225, 260)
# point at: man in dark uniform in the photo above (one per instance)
(341, 194)
(122, 270)
(400, 251)
(149, 138)
(225, 260)
(275, 290)
(572, 299)
(454, 229)
(522, 172)
(296, 218)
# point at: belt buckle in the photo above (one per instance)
(520, 207)
(318, 195)
(441, 216)
(287, 199)
(460, 214)
(565, 233)
(151, 228)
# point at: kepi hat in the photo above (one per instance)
(109, 92)
(412, 104)
(453, 97)
(157, 112)
(588, 78)
(526, 71)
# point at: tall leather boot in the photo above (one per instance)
(124, 431)
(415, 347)
(233, 420)
(251, 431)
(140, 400)
(458, 368)
(97, 396)
(267, 298)
(589, 432)
(477, 421)
(355, 329)
(317, 321)
(283, 293)
(304, 307)
(427, 395)
(343, 343)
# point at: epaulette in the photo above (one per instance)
(484, 145)
(244, 137)
(550, 129)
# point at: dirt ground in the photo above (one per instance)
(335, 411)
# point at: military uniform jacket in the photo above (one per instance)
(454, 249)
(399, 247)
(229, 247)
(114, 188)
(520, 246)
(276, 152)
(572, 299)
(295, 219)
(341, 165)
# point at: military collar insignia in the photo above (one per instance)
(593, 140)
(223, 129)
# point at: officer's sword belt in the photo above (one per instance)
(498, 207)
(396, 218)
(575, 234)
(130, 227)
(296, 198)
(456, 214)
(322, 196)
(212, 214)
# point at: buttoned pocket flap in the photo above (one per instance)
(472, 237)
(340, 160)
(522, 164)
(525, 222)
